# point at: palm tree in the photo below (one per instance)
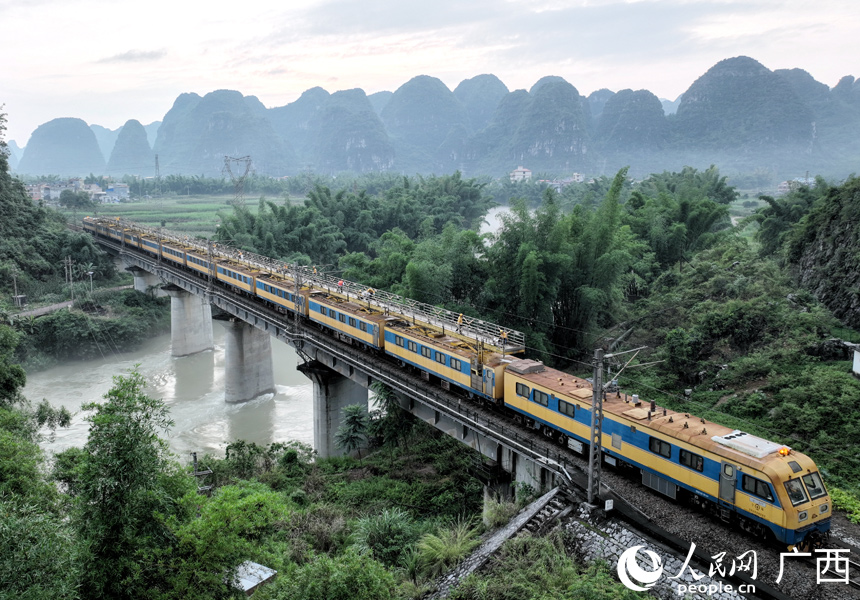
(352, 433)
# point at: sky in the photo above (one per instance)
(107, 61)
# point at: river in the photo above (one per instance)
(192, 388)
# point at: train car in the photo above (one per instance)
(198, 260)
(760, 485)
(354, 322)
(131, 238)
(173, 252)
(279, 292)
(447, 357)
(236, 275)
(150, 244)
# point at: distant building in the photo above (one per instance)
(520, 174)
(784, 187)
(35, 191)
(116, 192)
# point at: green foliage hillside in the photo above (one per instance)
(824, 250)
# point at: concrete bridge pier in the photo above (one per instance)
(146, 282)
(248, 369)
(190, 322)
(332, 393)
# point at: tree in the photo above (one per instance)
(352, 433)
(126, 486)
(76, 201)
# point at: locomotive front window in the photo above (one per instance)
(795, 490)
(658, 446)
(757, 487)
(814, 485)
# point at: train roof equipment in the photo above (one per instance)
(411, 310)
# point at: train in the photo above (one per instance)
(762, 487)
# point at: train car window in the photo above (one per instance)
(541, 398)
(426, 352)
(398, 341)
(352, 322)
(814, 485)
(342, 318)
(523, 390)
(795, 490)
(440, 358)
(363, 326)
(413, 346)
(456, 364)
(757, 487)
(694, 461)
(566, 408)
(658, 446)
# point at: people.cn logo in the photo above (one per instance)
(630, 571)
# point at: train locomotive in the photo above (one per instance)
(763, 487)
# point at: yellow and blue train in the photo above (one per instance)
(764, 487)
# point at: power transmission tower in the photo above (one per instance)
(238, 180)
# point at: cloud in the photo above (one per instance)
(135, 56)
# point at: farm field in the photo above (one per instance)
(187, 215)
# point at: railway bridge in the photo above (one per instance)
(341, 374)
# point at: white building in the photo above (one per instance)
(521, 174)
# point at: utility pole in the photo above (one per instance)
(596, 450)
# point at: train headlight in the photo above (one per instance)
(823, 508)
(802, 515)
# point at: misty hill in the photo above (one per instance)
(15, 153)
(106, 139)
(65, 147)
(197, 133)
(739, 104)
(596, 102)
(738, 115)
(349, 136)
(420, 117)
(131, 154)
(293, 121)
(379, 100)
(480, 96)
